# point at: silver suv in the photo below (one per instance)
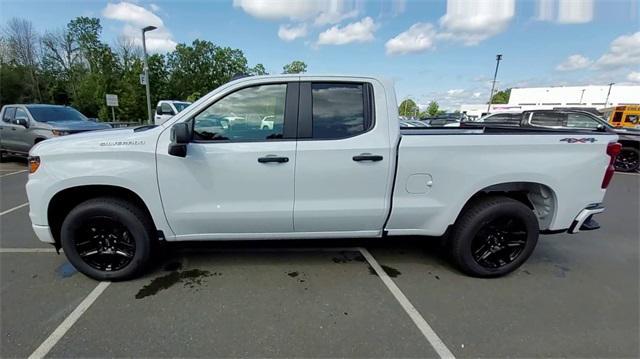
(22, 126)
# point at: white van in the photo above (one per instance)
(167, 109)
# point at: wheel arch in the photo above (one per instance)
(65, 200)
(540, 198)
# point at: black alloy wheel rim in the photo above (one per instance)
(499, 242)
(627, 160)
(105, 244)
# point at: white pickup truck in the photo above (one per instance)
(334, 164)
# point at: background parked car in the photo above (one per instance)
(23, 126)
(627, 161)
(167, 109)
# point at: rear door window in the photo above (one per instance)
(548, 119)
(338, 110)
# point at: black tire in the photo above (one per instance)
(90, 235)
(3, 157)
(497, 226)
(628, 160)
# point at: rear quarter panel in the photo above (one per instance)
(460, 165)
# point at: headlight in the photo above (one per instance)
(60, 132)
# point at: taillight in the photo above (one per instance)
(613, 150)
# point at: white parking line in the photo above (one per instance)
(14, 208)
(413, 313)
(12, 173)
(68, 322)
(28, 250)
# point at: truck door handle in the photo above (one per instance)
(367, 157)
(273, 159)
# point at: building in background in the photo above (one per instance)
(530, 98)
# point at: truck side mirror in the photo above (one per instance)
(22, 121)
(180, 138)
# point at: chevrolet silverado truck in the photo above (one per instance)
(335, 164)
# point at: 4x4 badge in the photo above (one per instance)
(578, 140)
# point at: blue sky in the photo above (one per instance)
(443, 50)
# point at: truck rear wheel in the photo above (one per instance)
(493, 237)
(628, 160)
(107, 238)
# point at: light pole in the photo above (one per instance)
(606, 102)
(498, 58)
(146, 70)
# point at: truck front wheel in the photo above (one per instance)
(107, 238)
(493, 237)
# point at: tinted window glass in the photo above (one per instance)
(508, 118)
(9, 114)
(20, 113)
(181, 105)
(581, 121)
(548, 119)
(254, 113)
(54, 114)
(338, 110)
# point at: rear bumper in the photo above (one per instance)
(43, 233)
(583, 216)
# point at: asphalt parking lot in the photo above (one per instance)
(577, 296)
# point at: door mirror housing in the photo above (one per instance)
(22, 121)
(180, 138)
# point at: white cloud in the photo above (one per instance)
(323, 11)
(154, 7)
(455, 92)
(292, 32)
(472, 21)
(566, 11)
(136, 17)
(574, 62)
(634, 76)
(360, 31)
(624, 51)
(417, 38)
(477, 94)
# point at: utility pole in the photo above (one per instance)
(495, 75)
(606, 102)
(146, 71)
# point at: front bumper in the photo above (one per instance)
(43, 233)
(584, 216)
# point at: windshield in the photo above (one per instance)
(56, 114)
(181, 105)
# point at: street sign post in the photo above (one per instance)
(112, 101)
(143, 79)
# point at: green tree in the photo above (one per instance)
(258, 70)
(202, 67)
(433, 109)
(295, 67)
(501, 97)
(408, 108)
